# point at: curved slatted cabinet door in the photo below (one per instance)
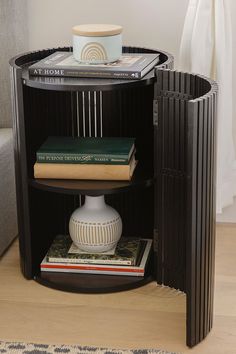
(201, 214)
(184, 128)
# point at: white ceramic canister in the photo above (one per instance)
(97, 43)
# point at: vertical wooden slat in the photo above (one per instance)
(191, 222)
(165, 81)
(23, 217)
(172, 76)
(203, 297)
(101, 111)
(214, 134)
(95, 113)
(208, 214)
(177, 82)
(187, 88)
(77, 114)
(182, 82)
(199, 218)
(179, 200)
(193, 85)
(159, 154)
(83, 114)
(165, 189)
(211, 154)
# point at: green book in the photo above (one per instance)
(125, 253)
(86, 150)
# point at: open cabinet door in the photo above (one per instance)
(185, 130)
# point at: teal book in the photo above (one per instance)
(86, 150)
(63, 250)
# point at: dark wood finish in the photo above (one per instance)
(91, 283)
(201, 214)
(185, 174)
(21, 173)
(171, 178)
(172, 199)
(78, 110)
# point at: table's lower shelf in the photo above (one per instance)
(91, 283)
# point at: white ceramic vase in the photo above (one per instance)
(95, 227)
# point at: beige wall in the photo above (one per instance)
(151, 23)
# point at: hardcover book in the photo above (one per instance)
(86, 150)
(63, 250)
(85, 171)
(129, 66)
(108, 269)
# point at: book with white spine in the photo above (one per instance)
(136, 270)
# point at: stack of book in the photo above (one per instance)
(94, 158)
(130, 257)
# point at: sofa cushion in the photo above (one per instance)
(8, 216)
(13, 40)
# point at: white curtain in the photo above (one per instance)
(206, 48)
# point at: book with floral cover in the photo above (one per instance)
(63, 250)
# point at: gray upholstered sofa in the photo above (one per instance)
(13, 39)
(8, 220)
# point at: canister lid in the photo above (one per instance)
(97, 30)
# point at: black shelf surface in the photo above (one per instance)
(141, 178)
(91, 283)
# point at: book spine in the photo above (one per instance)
(47, 268)
(82, 171)
(111, 268)
(89, 261)
(81, 158)
(84, 73)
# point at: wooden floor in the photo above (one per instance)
(148, 317)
